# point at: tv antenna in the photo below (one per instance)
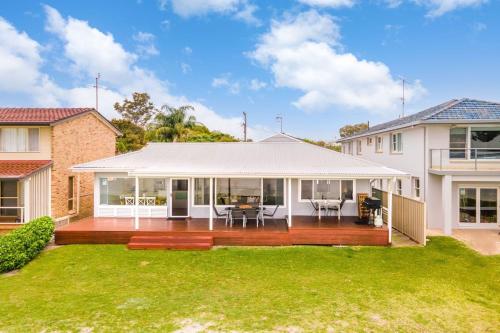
(98, 77)
(244, 127)
(403, 81)
(279, 118)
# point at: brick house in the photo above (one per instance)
(37, 148)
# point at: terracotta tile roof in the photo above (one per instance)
(38, 115)
(21, 168)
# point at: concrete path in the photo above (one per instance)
(486, 242)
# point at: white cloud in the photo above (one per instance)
(162, 4)
(224, 81)
(329, 3)
(121, 75)
(185, 68)
(303, 52)
(440, 7)
(145, 44)
(256, 84)
(187, 50)
(240, 9)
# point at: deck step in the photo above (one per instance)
(178, 242)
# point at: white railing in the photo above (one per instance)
(19, 215)
(465, 158)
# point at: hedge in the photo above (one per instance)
(21, 245)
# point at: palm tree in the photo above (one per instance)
(172, 124)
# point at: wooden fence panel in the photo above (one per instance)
(408, 215)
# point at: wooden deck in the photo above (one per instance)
(306, 230)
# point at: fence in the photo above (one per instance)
(408, 215)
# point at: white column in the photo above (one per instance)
(390, 188)
(289, 202)
(211, 201)
(136, 203)
(27, 194)
(446, 203)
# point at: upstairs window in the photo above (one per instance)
(416, 187)
(19, 139)
(369, 141)
(378, 144)
(485, 142)
(458, 142)
(399, 186)
(396, 143)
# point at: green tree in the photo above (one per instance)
(133, 136)
(139, 110)
(349, 130)
(324, 144)
(172, 124)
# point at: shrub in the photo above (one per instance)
(21, 245)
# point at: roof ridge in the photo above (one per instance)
(450, 104)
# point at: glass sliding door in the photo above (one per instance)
(487, 142)
(180, 198)
(8, 197)
(488, 205)
(478, 205)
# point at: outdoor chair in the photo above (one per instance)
(269, 214)
(315, 207)
(237, 214)
(338, 208)
(252, 214)
(219, 215)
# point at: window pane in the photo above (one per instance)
(116, 191)
(152, 192)
(8, 197)
(326, 189)
(8, 139)
(231, 191)
(71, 189)
(306, 189)
(467, 205)
(485, 137)
(202, 191)
(33, 143)
(347, 189)
(273, 191)
(488, 201)
(458, 138)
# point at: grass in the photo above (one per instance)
(443, 287)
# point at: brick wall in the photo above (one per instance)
(83, 139)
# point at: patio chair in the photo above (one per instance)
(315, 206)
(219, 215)
(338, 208)
(269, 214)
(252, 214)
(237, 214)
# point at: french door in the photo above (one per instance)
(478, 206)
(179, 203)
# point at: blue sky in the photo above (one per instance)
(319, 63)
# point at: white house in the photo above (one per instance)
(451, 151)
(187, 179)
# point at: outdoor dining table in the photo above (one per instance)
(260, 209)
(327, 203)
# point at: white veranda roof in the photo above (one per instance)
(275, 156)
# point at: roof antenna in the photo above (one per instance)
(403, 80)
(279, 118)
(244, 127)
(98, 77)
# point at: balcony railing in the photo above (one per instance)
(484, 159)
(11, 212)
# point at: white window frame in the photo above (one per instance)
(369, 141)
(477, 224)
(27, 140)
(285, 189)
(299, 187)
(399, 186)
(379, 146)
(397, 145)
(349, 148)
(416, 188)
(359, 147)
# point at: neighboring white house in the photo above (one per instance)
(451, 151)
(187, 179)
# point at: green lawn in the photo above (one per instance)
(443, 287)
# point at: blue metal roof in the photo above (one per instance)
(463, 109)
